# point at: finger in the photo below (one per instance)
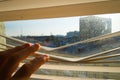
(5, 55)
(14, 60)
(9, 52)
(27, 69)
(21, 55)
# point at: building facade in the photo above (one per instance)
(93, 26)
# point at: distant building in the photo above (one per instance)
(93, 26)
(72, 34)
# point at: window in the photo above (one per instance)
(57, 32)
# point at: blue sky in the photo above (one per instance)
(43, 26)
(52, 26)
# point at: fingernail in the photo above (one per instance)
(46, 57)
(26, 45)
(36, 46)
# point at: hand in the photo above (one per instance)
(10, 59)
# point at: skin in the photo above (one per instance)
(10, 59)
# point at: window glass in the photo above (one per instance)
(56, 32)
(82, 35)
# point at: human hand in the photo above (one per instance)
(10, 59)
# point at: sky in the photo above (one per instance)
(52, 26)
(42, 26)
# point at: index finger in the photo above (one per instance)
(22, 54)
